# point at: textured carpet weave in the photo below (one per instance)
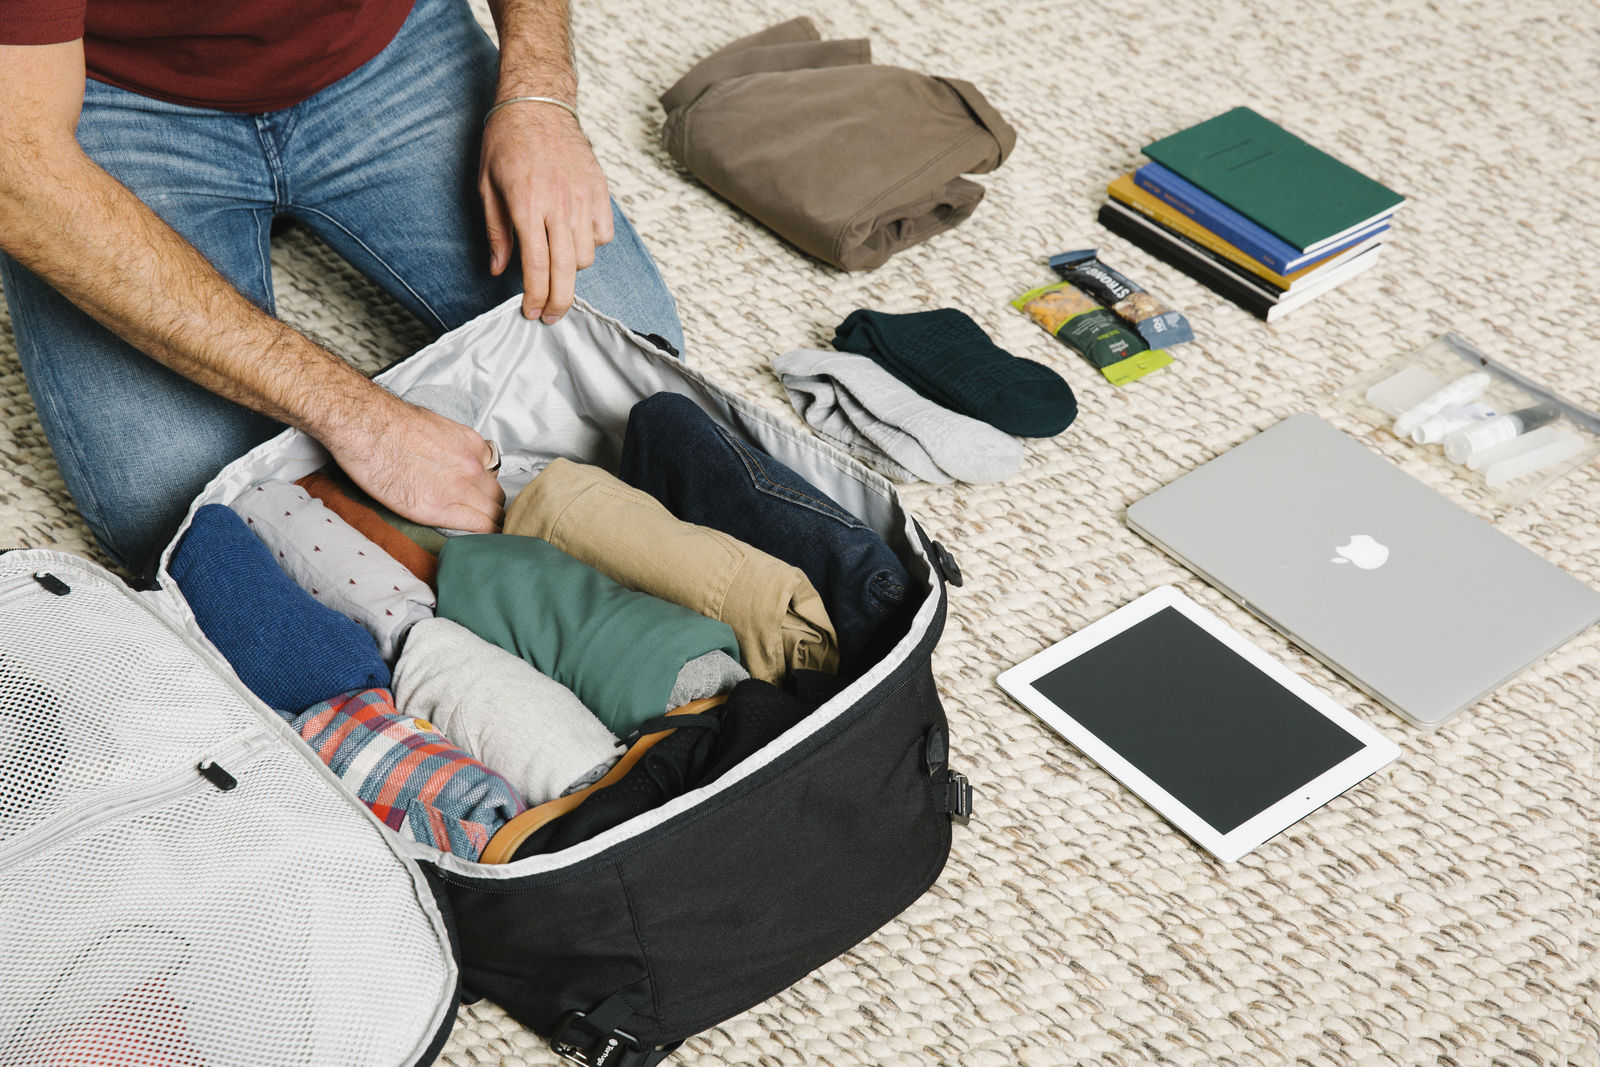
(1442, 913)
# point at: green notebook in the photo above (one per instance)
(1266, 173)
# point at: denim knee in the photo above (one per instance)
(703, 474)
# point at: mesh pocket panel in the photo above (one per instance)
(96, 698)
(266, 925)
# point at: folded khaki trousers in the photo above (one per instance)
(630, 537)
(849, 161)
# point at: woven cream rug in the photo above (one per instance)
(1444, 912)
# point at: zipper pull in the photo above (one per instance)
(52, 583)
(213, 773)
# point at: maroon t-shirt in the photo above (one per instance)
(236, 55)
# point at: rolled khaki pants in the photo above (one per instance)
(626, 534)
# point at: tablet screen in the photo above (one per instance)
(1207, 726)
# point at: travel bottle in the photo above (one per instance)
(1460, 446)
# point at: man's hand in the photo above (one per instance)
(543, 193)
(422, 465)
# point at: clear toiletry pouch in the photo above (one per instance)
(1506, 435)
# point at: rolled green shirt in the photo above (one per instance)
(619, 650)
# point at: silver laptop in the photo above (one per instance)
(1409, 596)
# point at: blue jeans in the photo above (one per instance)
(382, 166)
(705, 475)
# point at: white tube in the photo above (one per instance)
(1504, 450)
(1448, 421)
(1463, 390)
(1463, 445)
(1401, 390)
(1563, 448)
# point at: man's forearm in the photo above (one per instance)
(83, 232)
(79, 229)
(535, 49)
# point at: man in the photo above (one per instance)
(136, 204)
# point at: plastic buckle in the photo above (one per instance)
(958, 798)
(663, 344)
(602, 1051)
(947, 564)
(935, 751)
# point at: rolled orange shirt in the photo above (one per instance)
(415, 558)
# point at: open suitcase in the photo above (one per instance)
(183, 882)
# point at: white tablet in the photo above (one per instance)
(1220, 738)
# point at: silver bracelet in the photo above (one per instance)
(537, 100)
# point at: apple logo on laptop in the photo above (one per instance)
(1363, 551)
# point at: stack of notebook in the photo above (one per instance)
(1245, 207)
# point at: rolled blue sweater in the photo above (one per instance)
(290, 650)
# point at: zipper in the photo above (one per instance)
(88, 815)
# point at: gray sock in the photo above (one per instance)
(705, 676)
(889, 426)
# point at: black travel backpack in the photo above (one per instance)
(181, 874)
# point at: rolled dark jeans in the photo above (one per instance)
(705, 475)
